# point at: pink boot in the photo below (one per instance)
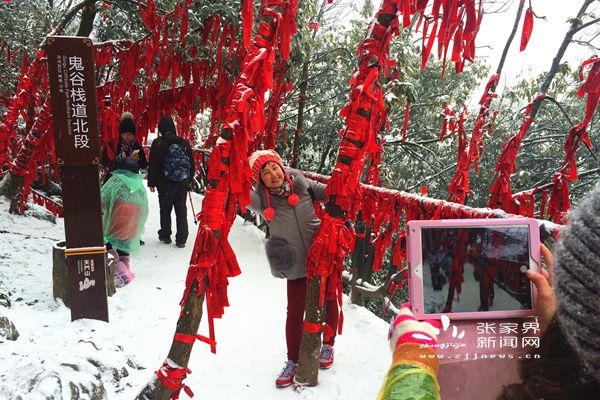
(123, 274)
(127, 261)
(120, 273)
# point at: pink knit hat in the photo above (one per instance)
(259, 158)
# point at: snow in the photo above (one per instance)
(52, 352)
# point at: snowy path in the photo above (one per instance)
(251, 342)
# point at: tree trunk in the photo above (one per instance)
(301, 105)
(72, 13)
(310, 348)
(358, 262)
(10, 188)
(187, 324)
(326, 153)
(88, 14)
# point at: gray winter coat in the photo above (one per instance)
(293, 228)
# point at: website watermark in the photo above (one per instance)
(507, 336)
(478, 356)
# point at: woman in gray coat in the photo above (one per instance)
(284, 197)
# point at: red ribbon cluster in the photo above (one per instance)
(286, 23)
(31, 91)
(34, 151)
(160, 56)
(559, 202)
(213, 260)
(165, 54)
(523, 203)
(364, 116)
(476, 143)
(327, 330)
(172, 377)
(501, 193)
(11, 54)
(449, 20)
(383, 210)
(448, 121)
(459, 186)
(282, 87)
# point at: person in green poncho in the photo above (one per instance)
(124, 214)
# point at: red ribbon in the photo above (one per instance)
(327, 330)
(172, 377)
(527, 28)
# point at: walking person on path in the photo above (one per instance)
(171, 171)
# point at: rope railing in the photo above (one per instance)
(51, 205)
(446, 209)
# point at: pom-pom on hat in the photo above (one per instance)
(259, 158)
(127, 124)
(166, 125)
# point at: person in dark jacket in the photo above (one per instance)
(284, 197)
(171, 171)
(128, 153)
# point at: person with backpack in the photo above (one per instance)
(284, 197)
(171, 171)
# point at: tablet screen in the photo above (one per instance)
(467, 269)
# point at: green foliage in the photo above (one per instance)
(23, 24)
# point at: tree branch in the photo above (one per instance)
(71, 14)
(590, 23)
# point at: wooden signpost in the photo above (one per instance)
(76, 139)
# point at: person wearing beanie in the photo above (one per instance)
(124, 200)
(568, 300)
(566, 365)
(171, 171)
(284, 198)
(129, 154)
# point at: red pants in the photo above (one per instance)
(296, 297)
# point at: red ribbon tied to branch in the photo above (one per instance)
(527, 28)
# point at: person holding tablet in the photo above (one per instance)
(567, 304)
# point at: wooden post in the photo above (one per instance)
(60, 276)
(76, 139)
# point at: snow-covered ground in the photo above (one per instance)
(54, 357)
